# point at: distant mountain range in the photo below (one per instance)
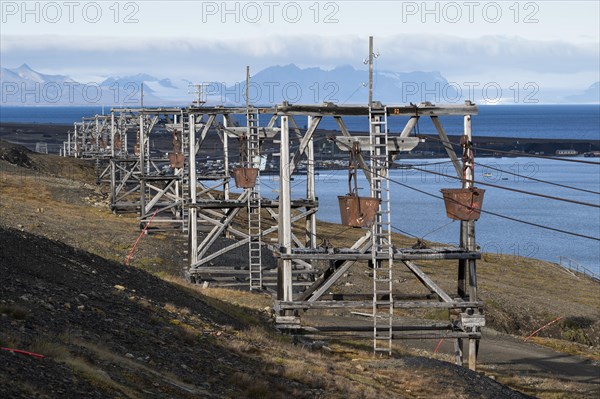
(342, 85)
(590, 95)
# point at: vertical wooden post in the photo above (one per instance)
(311, 220)
(225, 160)
(470, 233)
(69, 143)
(226, 175)
(75, 138)
(112, 165)
(142, 159)
(97, 132)
(112, 134)
(458, 351)
(284, 274)
(124, 148)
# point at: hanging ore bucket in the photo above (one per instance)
(176, 159)
(245, 177)
(463, 203)
(117, 143)
(358, 211)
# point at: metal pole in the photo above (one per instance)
(370, 71)
(247, 86)
(284, 274)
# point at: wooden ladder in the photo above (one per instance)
(254, 204)
(383, 302)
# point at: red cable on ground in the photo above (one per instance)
(541, 328)
(438, 345)
(22, 352)
(139, 238)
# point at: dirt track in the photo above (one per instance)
(512, 355)
(503, 354)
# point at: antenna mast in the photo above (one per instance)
(198, 91)
(370, 71)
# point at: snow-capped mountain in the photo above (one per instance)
(24, 73)
(590, 95)
(341, 85)
(156, 91)
(273, 85)
(25, 86)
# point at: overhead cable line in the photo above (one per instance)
(552, 197)
(539, 180)
(499, 215)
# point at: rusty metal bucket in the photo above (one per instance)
(117, 143)
(358, 211)
(245, 177)
(463, 203)
(176, 159)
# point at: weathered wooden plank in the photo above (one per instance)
(331, 109)
(329, 304)
(395, 144)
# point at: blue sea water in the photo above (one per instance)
(526, 121)
(56, 115)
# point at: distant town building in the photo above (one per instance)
(566, 152)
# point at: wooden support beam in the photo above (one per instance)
(427, 281)
(210, 239)
(367, 304)
(447, 146)
(306, 140)
(361, 160)
(205, 129)
(323, 284)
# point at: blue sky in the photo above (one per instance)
(553, 43)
